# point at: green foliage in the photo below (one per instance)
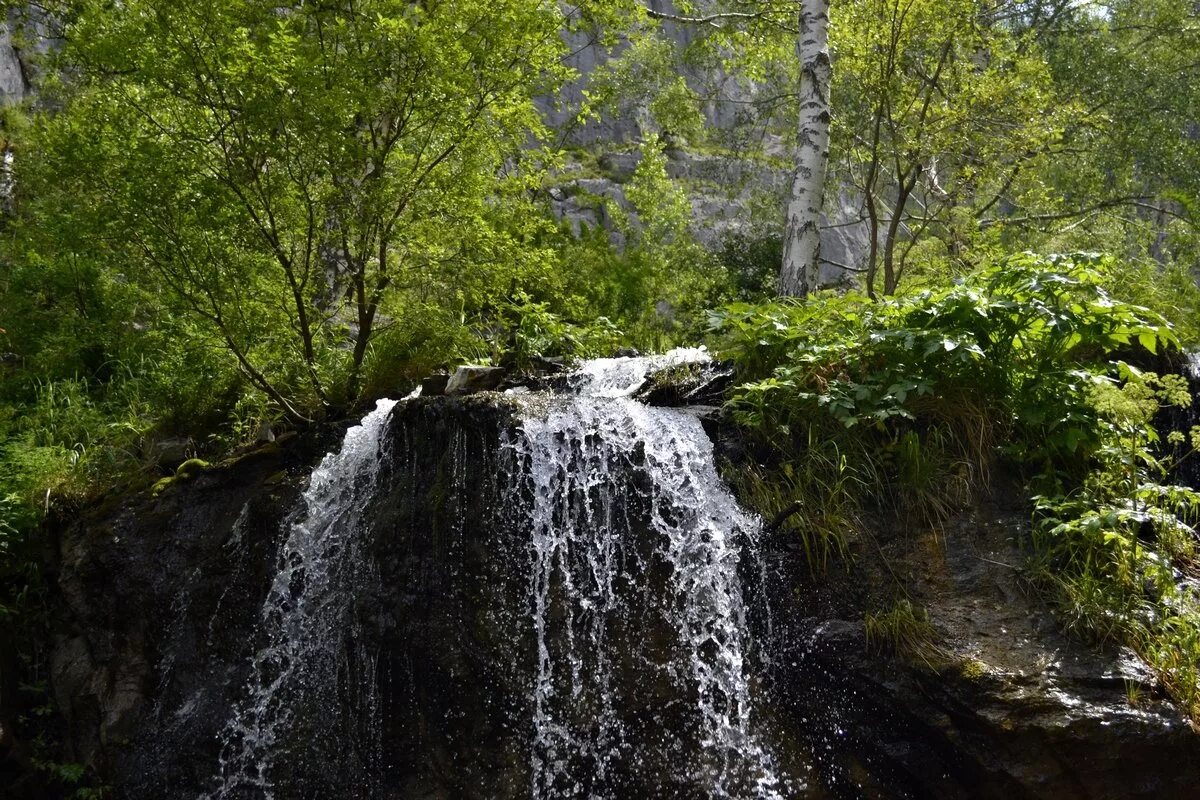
(1112, 564)
(1114, 547)
(536, 332)
(752, 263)
(939, 106)
(277, 180)
(918, 392)
(644, 76)
(654, 281)
(1005, 351)
(1021, 361)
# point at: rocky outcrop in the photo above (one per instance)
(470, 379)
(153, 615)
(1008, 707)
(159, 601)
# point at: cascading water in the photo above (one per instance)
(590, 577)
(320, 565)
(594, 581)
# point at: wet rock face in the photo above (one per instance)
(433, 671)
(1011, 709)
(152, 619)
(159, 616)
(449, 614)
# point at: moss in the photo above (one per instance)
(972, 669)
(191, 468)
(185, 472)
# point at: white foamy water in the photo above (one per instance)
(580, 455)
(621, 377)
(640, 673)
(305, 610)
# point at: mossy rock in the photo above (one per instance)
(191, 468)
(185, 472)
(161, 485)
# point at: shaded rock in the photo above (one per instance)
(169, 453)
(155, 603)
(470, 379)
(688, 384)
(549, 365)
(619, 166)
(435, 384)
(265, 434)
(1012, 708)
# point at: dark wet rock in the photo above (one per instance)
(155, 603)
(158, 602)
(470, 379)
(435, 384)
(688, 384)
(550, 365)
(1011, 708)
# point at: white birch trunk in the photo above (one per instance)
(802, 239)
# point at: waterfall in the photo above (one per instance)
(590, 458)
(631, 670)
(309, 602)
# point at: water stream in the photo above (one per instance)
(303, 619)
(580, 453)
(641, 662)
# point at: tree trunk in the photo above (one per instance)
(802, 241)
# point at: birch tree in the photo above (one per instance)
(802, 239)
(746, 30)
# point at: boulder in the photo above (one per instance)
(619, 166)
(435, 384)
(474, 378)
(169, 453)
(702, 384)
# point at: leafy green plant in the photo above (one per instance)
(1024, 361)
(1006, 355)
(533, 331)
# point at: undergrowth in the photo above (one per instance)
(908, 404)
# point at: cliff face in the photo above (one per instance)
(24, 36)
(1009, 706)
(171, 611)
(743, 190)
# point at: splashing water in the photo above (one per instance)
(621, 377)
(640, 670)
(306, 608)
(596, 591)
